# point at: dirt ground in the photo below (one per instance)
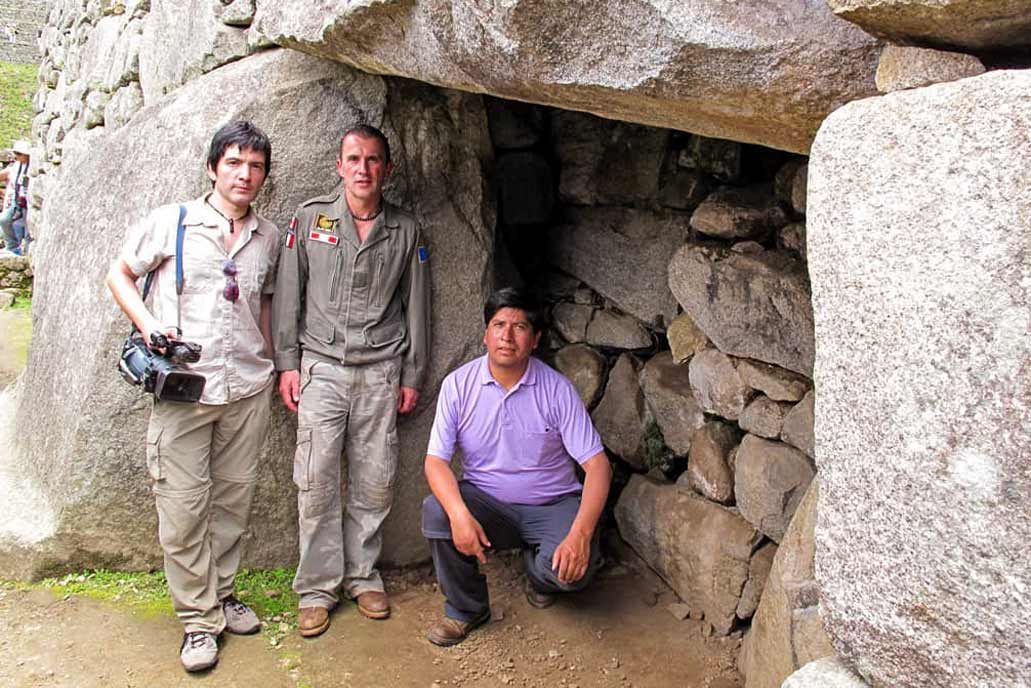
(618, 634)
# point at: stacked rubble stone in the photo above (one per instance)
(681, 312)
(20, 24)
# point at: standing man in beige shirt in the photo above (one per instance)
(351, 320)
(202, 457)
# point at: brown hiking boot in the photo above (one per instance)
(538, 599)
(373, 604)
(448, 631)
(312, 621)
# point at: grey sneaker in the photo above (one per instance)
(199, 651)
(240, 619)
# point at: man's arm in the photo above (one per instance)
(573, 554)
(466, 531)
(415, 293)
(122, 282)
(291, 277)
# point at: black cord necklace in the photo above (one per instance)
(367, 218)
(230, 220)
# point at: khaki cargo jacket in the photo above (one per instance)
(355, 303)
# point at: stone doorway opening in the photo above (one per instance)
(674, 267)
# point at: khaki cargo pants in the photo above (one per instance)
(350, 410)
(203, 463)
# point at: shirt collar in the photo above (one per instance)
(199, 212)
(529, 375)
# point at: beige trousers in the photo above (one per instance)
(203, 462)
(350, 410)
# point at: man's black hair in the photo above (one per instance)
(367, 131)
(243, 134)
(514, 297)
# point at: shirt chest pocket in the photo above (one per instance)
(542, 446)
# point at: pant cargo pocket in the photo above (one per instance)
(154, 460)
(302, 459)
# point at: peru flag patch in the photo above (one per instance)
(331, 239)
(291, 233)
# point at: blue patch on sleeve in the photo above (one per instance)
(423, 256)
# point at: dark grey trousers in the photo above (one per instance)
(538, 529)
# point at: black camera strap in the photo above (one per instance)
(180, 232)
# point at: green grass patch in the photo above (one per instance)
(17, 86)
(267, 592)
(16, 325)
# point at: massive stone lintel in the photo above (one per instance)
(761, 71)
(919, 236)
(81, 429)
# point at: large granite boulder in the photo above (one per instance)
(726, 70)
(902, 67)
(750, 305)
(923, 381)
(787, 630)
(971, 25)
(701, 549)
(622, 254)
(826, 672)
(88, 465)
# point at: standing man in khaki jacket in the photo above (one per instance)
(351, 318)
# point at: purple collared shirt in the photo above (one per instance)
(517, 446)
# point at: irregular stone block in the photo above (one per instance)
(798, 189)
(618, 331)
(124, 103)
(758, 571)
(770, 480)
(753, 306)
(570, 320)
(708, 471)
(525, 191)
(786, 629)
(717, 385)
(739, 213)
(784, 180)
(723, 70)
(924, 388)
(87, 467)
(764, 417)
(185, 39)
(622, 254)
(238, 13)
(903, 67)
(685, 338)
(585, 368)
(828, 672)
(702, 550)
(606, 162)
(718, 158)
(622, 417)
(971, 25)
(682, 189)
(792, 238)
(667, 389)
(798, 426)
(514, 124)
(776, 383)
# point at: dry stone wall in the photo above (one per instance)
(691, 377)
(20, 24)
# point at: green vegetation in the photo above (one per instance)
(268, 593)
(17, 86)
(16, 325)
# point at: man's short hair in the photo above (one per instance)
(514, 297)
(367, 131)
(243, 134)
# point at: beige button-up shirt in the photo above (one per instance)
(234, 360)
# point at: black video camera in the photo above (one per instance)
(162, 374)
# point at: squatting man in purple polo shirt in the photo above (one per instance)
(520, 426)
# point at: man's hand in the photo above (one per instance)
(469, 538)
(171, 334)
(407, 399)
(290, 388)
(571, 557)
